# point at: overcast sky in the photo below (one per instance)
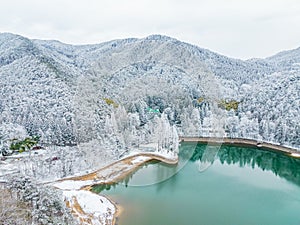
(236, 28)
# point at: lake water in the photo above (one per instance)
(212, 186)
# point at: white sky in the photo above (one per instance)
(236, 28)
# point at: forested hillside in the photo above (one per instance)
(125, 93)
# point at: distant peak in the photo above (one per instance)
(10, 36)
(159, 37)
(6, 34)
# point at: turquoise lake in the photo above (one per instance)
(212, 185)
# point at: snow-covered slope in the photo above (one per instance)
(14, 47)
(274, 102)
(33, 92)
(286, 60)
(66, 93)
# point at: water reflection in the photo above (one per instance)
(278, 163)
(152, 172)
(223, 194)
(204, 155)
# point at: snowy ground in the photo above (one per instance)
(90, 208)
(12, 164)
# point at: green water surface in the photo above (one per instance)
(238, 185)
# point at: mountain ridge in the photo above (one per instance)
(56, 90)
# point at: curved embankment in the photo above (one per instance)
(90, 208)
(245, 142)
(118, 170)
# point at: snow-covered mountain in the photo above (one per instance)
(286, 60)
(121, 91)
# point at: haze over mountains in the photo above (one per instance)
(127, 92)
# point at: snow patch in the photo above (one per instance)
(294, 154)
(140, 159)
(95, 207)
(73, 184)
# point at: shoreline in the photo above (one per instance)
(102, 177)
(110, 174)
(118, 207)
(293, 152)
